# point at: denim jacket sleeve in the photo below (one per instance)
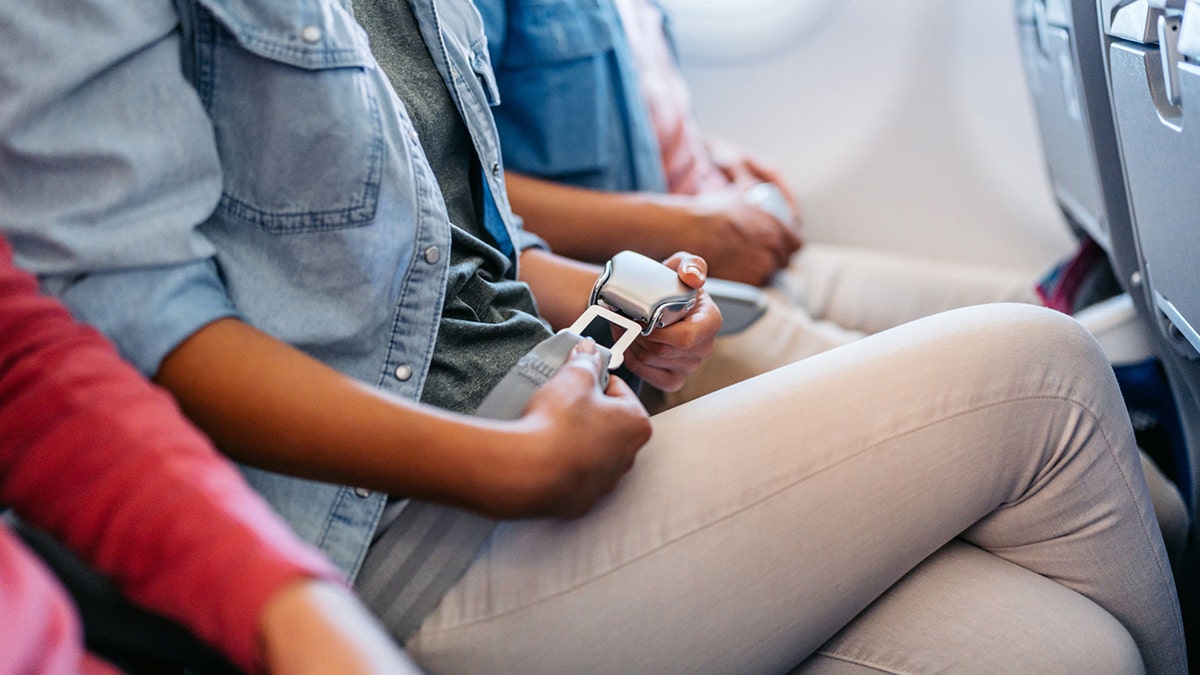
(89, 87)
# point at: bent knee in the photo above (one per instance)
(1013, 338)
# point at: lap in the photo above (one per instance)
(834, 295)
(761, 520)
(871, 290)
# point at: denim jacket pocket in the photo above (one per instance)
(273, 84)
(555, 110)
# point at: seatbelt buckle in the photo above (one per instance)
(638, 294)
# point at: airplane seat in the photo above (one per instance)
(1063, 56)
(1064, 68)
(1114, 323)
(1152, 54)
(1145, 82)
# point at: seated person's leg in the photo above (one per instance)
(872, 290)
(965, 610)
(832, 295)
(761, 520)
(780, 336)
(1169, 508)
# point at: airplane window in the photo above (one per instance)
(721, 32)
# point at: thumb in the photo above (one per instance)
(586, 356)
(692, 269)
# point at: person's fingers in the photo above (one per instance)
(586, 356)
(692, 269)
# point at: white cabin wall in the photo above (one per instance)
(902, 124)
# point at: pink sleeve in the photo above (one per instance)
(95, 454)
(37, 620)
(688, 167)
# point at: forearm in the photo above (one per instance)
(592, 225)
(104, 461)
(561, 286)
(321, 628)
(269, 405)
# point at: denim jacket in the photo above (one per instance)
(269, 174)
(570, 108)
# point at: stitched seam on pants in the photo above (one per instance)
(862, 662)
(594, 578)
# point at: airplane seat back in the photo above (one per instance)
(1151, 50)
(1157, 134)
(1063, 50)
(1065, 72)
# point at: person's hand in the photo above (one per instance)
(318, 627)
(665, 357)
(744, 169)
(740, 242)
(577, 441)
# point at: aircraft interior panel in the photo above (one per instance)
(1048, 48)
(1154, 93)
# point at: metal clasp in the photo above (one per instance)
(638, 294)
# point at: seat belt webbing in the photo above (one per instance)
(425, 551)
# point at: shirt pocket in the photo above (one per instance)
(296, 118)
(556, 84)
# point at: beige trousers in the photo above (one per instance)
(832, 295)
(761, 521)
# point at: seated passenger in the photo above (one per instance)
(642, 176)
(93, 453)
(603, 154)
(324, 271)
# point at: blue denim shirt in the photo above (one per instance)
(272, 175)
(570, 107)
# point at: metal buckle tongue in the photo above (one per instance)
(639, 294)
(632, 330)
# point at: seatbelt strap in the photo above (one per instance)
(428, 547)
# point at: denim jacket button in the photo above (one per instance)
(495, 169)
(362, 493)
(403, 372)
(311, 34)
(432, 255)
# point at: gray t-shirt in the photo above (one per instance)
(488, 320)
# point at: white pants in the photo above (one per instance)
(762, 519)
(832, 295)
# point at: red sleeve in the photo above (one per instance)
(92, 452)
